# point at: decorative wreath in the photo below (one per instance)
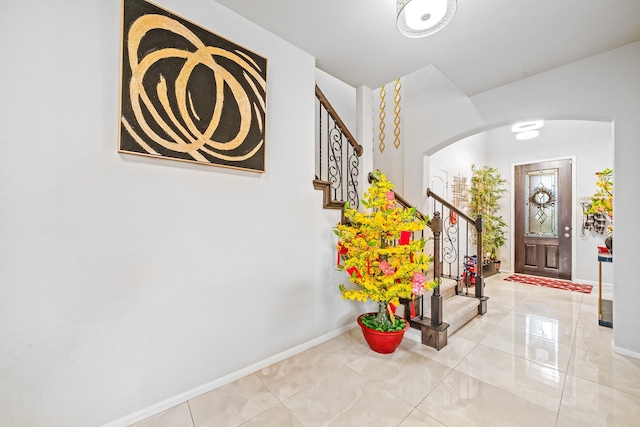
(543, 198)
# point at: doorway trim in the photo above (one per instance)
(574, 202)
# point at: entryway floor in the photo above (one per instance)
(537, 358)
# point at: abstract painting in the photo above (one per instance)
(188, 94)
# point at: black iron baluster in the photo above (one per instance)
(320, 140)
(354, 172)
(335, 160)
(342, 165)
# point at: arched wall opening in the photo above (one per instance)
(590, 145)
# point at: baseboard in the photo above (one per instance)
(591, 282)
(607, 288)
(414, 335)
(626, 352)
(212, 385)
(502, 273)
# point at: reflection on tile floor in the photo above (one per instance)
(538, 358)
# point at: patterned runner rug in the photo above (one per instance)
(550, 283)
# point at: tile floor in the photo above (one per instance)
(537, 358)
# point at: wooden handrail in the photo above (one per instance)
(450, 206)
(332, 112)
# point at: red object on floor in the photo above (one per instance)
(382, 342)
(550, 283)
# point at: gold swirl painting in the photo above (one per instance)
(189, 94)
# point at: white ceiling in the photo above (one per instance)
(488, 43)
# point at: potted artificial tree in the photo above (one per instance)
(383, 261)
(487, 188)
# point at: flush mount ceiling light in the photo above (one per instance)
(527, 126)
(419, 18)
(527, 130)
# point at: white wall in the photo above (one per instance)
(459, 157)
(128, 280)
(433, 106)
(388, 160)
(341, 96)
(605, 87)
(365, 134)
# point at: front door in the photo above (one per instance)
(543, 219)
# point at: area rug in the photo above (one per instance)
(550, 283)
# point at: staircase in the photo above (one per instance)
(450, 306)
(457, 311)
(337, 158)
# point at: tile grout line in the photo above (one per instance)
(193, 422)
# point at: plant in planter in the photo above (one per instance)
(498, 241)
(382, 260)
(487, 188)
(602, 200)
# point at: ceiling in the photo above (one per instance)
(489, 43)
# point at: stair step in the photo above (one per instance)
(448, 288)
(458, 310)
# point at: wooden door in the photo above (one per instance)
(543, 219)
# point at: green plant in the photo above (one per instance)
(602, 200)
(377, 252)
(371, 322)
(487, 188)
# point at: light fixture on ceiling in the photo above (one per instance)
(419, 18)
(527, 126)
(527, 130)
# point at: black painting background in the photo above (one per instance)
(201, 86)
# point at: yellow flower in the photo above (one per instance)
(371, 237)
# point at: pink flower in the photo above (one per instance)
(386, 268)
(418, 283)
(391, 199)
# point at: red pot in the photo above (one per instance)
(382, 342)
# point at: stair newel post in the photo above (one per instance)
(482, 307)
(436, 298)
